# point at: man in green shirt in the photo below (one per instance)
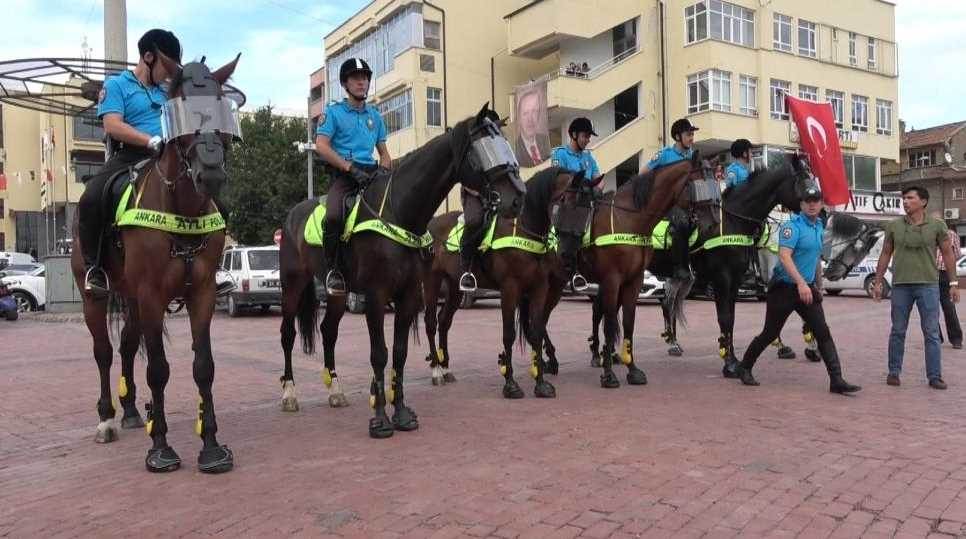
(912, 241)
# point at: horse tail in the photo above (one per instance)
(677, 291)
(414, 326)
(308, 317)
(523, 322)
(116, 315)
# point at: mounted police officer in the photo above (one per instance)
(797, 286)
(129, 104)
(348, 133)
(680, 226)
(576, 158)
(738, 171)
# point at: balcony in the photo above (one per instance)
(620, 145)
(536, 30)
(583, 91)
(405, 69)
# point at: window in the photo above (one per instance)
(709, 90)
(806, 38)
(696, 22)
(434, 107)
(883, 117)
(837, 99)
(84, 169)
(860, 171)
(732, 23)
(427, 63)
(959, 193)
(397, 111)
(778, 90)
(263, 260)
(3, 241)
(431, 33)
(236, 261)
(625, 38)
(853, 59)
(782, 29)
(88, 127)
(860, 113)
(2, 212)
(872, 54)
(808, 92)
(922, 158)
(748, 87)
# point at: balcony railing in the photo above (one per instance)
(574, 71)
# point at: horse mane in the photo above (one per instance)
(641, 185)
(537, 198)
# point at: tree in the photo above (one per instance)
(266, 176)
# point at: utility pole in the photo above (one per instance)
(115, 30)
(308, 148)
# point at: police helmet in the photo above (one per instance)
(812, 193)
(739, 147)
(581, 125)
(681, 126)
(160, 40)
(353, 66)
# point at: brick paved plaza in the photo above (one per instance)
(689, 455)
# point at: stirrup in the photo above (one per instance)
(578, 283)
(96, 290)
(335, 283)
(467, 282)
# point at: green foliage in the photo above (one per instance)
(266, 176)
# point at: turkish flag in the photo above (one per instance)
(820, 140)
(3, 183)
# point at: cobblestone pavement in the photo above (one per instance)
(689, 455)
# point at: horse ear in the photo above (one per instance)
(578, 177)
(696, 158)
(482, 114)
(172, 67)
(223, 73)
(503, 121)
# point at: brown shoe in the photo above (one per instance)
(937, 383)
(893, 380)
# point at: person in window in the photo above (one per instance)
(348, 133)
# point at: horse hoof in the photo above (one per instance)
(552, 367)
(290, 404)
(812, 356)
(609, 380)
(162, 460)
(132, 421)
(338, 400)
(730, 370)
(786, 352)
(675, 351)
(511, 390)
(380, 427)
(106, 432)
(636, 377)
(449, 378)
(404, 419)
(215, 460)
(438, 378)
(595, 361)
(544, 390)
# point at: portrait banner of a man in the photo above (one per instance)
(532, 145)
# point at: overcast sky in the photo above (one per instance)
(281, 43)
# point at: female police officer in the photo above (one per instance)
(796, 286)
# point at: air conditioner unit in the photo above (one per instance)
(951, 213)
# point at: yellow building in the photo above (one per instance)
(45, 158)
(724, 65)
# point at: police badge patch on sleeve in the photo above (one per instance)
(101, 95)
(370, 124)
(787, 232)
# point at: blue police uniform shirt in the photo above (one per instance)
(138, 105)
(668, 156)
(804, 238)
(565, 157)
(353, 132)
(736, 174)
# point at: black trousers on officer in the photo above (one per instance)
(90, 208)
(953, 330)
(473, 217)
(340, 185)
(782, 300)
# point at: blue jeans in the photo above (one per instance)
(926, 299)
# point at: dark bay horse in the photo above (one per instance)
(521, 269)
(155, 266)
(475, 153)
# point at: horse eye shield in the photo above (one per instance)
(195, 115)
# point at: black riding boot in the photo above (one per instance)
(91, 229)
(830, 356)
(334, 281)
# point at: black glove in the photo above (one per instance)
(360, 176)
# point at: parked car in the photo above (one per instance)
(19, 269)
(961, 267)
(651, 288)
(8, 305)
(9, 257)
(254, 271)
(28, 290)
(860, 278)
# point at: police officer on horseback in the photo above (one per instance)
(129, 104)
(576, 158)
(738, 171)
(348, 133)
(680, 224)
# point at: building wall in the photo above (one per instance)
(21, 133)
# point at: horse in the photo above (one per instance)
(517, 262)
(384, 269)
(149, 266)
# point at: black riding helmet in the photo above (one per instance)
(739, 147)
(160, 40)
(581, 125)
(681, 126)
(352, 66)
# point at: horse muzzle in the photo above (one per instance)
(208, 164)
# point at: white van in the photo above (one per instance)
(10, 257)
(254, 270)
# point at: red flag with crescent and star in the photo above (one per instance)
(820, 140)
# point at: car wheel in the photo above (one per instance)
(833, 292)
(355, 303)
(233, 308)
(25, 303)
(466, 301)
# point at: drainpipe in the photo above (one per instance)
(444, 44)
(660, 13)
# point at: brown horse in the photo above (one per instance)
(149, 267)
(473, 152)
(521, 269)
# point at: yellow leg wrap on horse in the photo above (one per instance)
(199, 424)
(149, 426)
(723, 352)
(809, 336)
(626, 357)
(534, 371)
(122, 387)
(502, 370)
(391, 392)
(327, 377)
(439, 355)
